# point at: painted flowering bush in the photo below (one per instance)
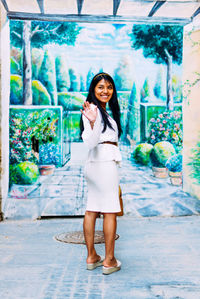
(167, 126)
(20, 141)
(42, 125)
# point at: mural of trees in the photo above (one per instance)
(164, 44)
(36, 34)
(61, 76)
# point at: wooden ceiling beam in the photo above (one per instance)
(41, 5)
(196, 13)
(5, 5)
(116, 4)
(79, 6)
(156, 6)
(98, 18)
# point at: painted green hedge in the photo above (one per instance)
(16, 91)
(71, 101)
(40, 94)
(14, 66)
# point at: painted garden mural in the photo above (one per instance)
(51, 67)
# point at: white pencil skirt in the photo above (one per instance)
(103, 186)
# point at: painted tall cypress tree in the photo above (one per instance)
(74, 80)
(62, 73)
(47, 76)
(123, 75)
(144, 93)
(90, 75)
(132, 127)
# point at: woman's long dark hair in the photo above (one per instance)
(113, 103)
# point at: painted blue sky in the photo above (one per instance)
(103, 45)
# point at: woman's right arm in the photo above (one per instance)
(92, 130)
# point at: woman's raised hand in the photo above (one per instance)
(88, 112)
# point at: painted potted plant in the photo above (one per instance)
(49, 154)
(159, 156)
(174, 166)
(44, 134)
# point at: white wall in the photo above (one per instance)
(191, 106)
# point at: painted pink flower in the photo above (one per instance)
(164, 121)
(176, 114)
(177, 126)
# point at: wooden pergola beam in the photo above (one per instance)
(79, 5)
(196, 13)
(5, 5)
(116, 4)
(97, 18)
(41, 5)
(156, 6)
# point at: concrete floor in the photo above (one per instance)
(160, 255)
(160, 259)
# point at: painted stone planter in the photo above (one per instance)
(176, 178)
(160, 172)
(46, 169)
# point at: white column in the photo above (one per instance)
(4, 104)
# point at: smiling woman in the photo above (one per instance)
(100, 133)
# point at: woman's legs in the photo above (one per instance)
(109, 229)
(89, 230)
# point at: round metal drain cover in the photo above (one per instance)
(78, 237)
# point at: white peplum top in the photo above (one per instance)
(93, 137)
